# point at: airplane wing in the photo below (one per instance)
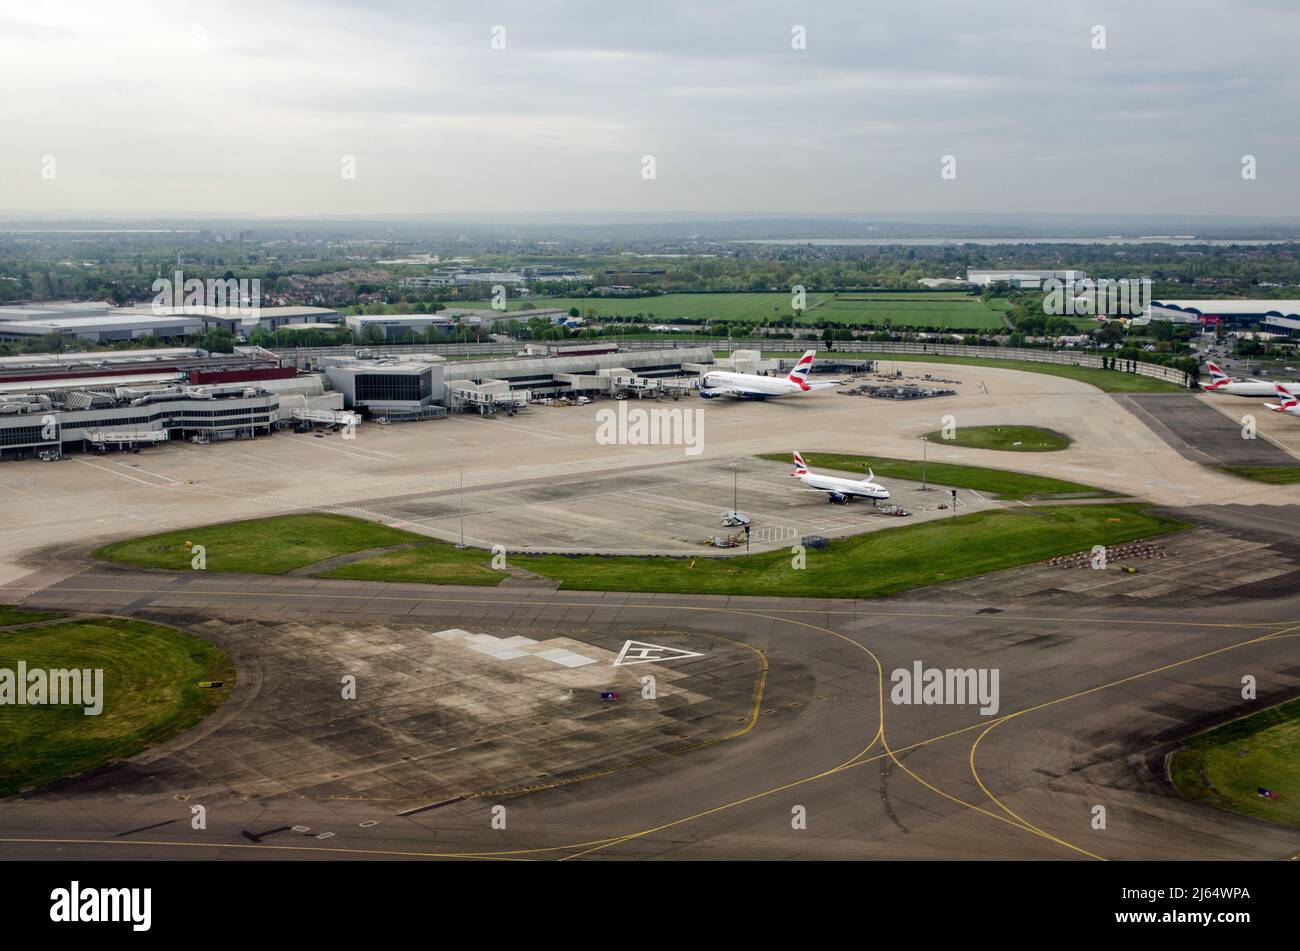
(825, 384)
(735, 391)
(1274, 407)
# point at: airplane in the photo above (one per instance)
(1220, 382)
(751, 386)
(1287, 403)
(840, 491)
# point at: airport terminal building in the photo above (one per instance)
(51, 404)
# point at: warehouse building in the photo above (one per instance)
(103, 328)
(1278, 316)
(1023, 277)
(396, 327)
(102, 322)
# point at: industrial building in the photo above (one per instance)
(398, 326)
(1277, 316)
(102, 322)
(1023, 277)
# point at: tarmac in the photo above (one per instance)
(761, 710)
(793, 708)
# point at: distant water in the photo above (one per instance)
(931, 242)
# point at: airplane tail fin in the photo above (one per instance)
(1285, 396)
(800, 467)
(1217, 377)
(801, 370)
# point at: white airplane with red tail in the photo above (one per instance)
(1287, 403)
(840, 490)
(751, 386)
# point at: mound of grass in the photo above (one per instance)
(1269, 475)
(1005, 438)
(1226, 766)
(996, 482)
(266, 546)
(449, 565)
(150, 693)
(865, 566)
(12, 615)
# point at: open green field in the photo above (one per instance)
(1269, 475)
(722, 307)
(915, 310)
(266, 546)
(1226, 766)
(871, 565)
(1108, 381)
(1005, 438)
(12, 615)
(865, 566)
(936, 310)
(150, 693)
(996, 482)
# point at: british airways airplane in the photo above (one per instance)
(1287, 403)
(840, 490)
(1220, 382)
(751, 386)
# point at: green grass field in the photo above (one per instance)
(451, 566)
(1225, 766)
(865, 566)
(996, 482)
(872, 565)
(721, 307)
(1269, 475)
(150, 693)
(12, 615)
(917, 310)
(266, 546)
(1005, 438)
(1111, 381)
(936, 310)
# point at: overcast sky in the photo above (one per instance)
(249, 108)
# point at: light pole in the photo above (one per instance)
(925, 441)
(462, 508)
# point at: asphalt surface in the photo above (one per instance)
(783, 709)
(1090, 703)
(1204, 433)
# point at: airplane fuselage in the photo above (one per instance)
(753, 386)
(849, 488)
(1240, 388)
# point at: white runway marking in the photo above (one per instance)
(639, 652)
